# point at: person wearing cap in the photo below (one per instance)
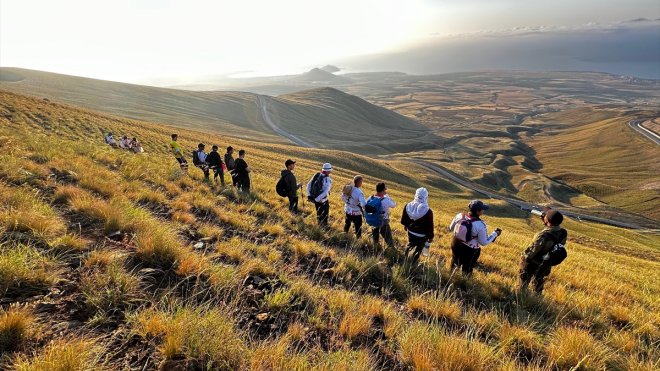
(417, 220)
(354, 206)
(386, 203)
(291, 184)
(242, 171)
(534, 264)
(318, 191)
(466, 253)
(178, 152)
(214, 162)
(200, 160)
(230, 163)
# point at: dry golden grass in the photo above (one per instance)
(15, 327)
(63, 355)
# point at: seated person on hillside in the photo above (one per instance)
(110, 139)
(135, 146)
(124, 142)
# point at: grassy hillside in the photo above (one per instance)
(602, 157)
(200, 277)
(330, 125)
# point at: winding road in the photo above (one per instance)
(262, 103)
(636, 125)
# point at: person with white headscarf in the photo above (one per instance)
(417, 220)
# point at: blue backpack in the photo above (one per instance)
(372, 211)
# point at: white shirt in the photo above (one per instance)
(354, 204)
(480, 235)
(201, 155)
(386, 203)
(327, 184)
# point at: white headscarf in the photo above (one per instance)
(420, 205)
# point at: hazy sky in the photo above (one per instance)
(144, 40)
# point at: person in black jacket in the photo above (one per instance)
(215, 162)
(231, 164)
(291, 185)
(417, 220)
(242, 171)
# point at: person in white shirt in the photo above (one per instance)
(470, 234)
(200, 161)
(124, 142)
(110, 139)
(354, 207)
(318, 191)
(386, 204)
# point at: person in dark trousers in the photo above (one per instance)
(354, 206)
(466, 245)
(535, 264)
(318, 191)
(214, 162)
(417, 220)
(242, 171)
(231, 164)
(178, 152)
(292, 185)
(386, 203)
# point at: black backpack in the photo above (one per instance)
(558, 252)
(282, 187)
(317, 186)
(196, 160)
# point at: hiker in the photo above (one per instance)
(546, 250)
(110, 140)
(417, 220)
(377, 214)
(287, 186)
(470, 234)
(318, 191)
(214, 161)
(242, 171)
(124, 143)
(354, 203)
(178, 152)
(199, 160)
(230, 163)
(135, 146)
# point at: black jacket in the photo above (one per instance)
(291, 182)
(423, 225)
(213, 159)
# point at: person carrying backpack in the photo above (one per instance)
(318, 191)
(214, 161)
(470, 234)
(287, 186)
(546, 250)
(231, 164)
(377, 214)
(199, 160)
(178, 152)
(417, 220)
(354, 204)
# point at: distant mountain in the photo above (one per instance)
(319, 76)
(330, 68)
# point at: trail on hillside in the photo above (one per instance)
(637, 126)
(523, 204)
(263, 107)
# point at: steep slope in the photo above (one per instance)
(116, 260)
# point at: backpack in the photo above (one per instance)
(463, 230)
(372, 211)
(317, 186)
(196, 160)
(282, 187)
(558, 252)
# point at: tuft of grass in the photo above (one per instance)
(571, 347)
(435, 308)
(157, 246)
(520, 342)
(69, 243)
(63, 355)
(355, 325)
(273, 229)
(112, 291)
(24, 270)
(104, 258)
(15, 323)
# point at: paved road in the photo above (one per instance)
(636, 125)
(523, 204)
(262, 102)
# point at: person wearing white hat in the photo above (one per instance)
(318, 191)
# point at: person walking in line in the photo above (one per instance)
(354, 203)
(215, 163)
(288, 186)
(546, 250)
(230, 163)
(318, 191)
(199, 160)
(470, 234)
(178, 152)
(417, 220)
(242, 171)
(377, 213)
